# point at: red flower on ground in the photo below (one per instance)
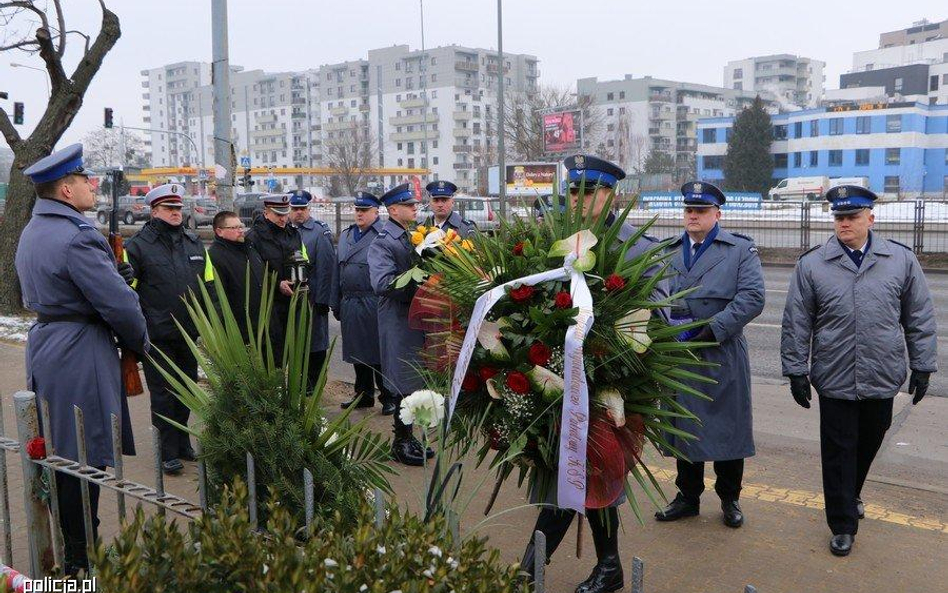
(471, 382)
(522, 293)
(614, 282)
(539, 354)
(518, 248)
(36, 448)
(563, 300)
(518, 382)
(486, 373)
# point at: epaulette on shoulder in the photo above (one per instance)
(79, 224)
(808, 251)
(900, 244)
(651, 238)
(742, 236)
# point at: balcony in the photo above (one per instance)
(466, 66)
(267, 133)
(413, 102)
(462, 115)
(340, 126)
(339, 110)
(493, 68)
(462, 148)
(461, 166)
(660, 97)
(411, 136)
(298, 101)
(408, 120)
(265, 119)
(277, 144)
(364, 107)
(298, 114)
(462, 132)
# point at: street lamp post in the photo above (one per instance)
(502, 164)
(49, 93)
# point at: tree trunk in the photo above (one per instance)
(20, 200)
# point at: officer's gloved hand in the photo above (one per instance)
(126, 271)
(800, 389)
(321, 309)
(918, 385)
(704, 335)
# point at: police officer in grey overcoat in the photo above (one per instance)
(725, 270)
(390, 255)
(443, 214)
(317, 238)
(855, 306)
(68, 276)
(355, 305)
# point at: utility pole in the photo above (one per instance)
(422, 69)
(502, 164)
(220, 77)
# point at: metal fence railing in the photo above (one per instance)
(41, 504)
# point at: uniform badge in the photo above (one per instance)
(440, 185)
(752, 249)
(842, 192)
(696, 188)
(580, 162)
(174, 190)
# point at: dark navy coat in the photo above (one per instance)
(463, 227)
(389, 256)
(317, 238)
(355, 300)
(66, 267)
(730, 293)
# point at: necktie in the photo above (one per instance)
(857, 255)
(696, 247)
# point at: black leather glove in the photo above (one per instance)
(126, 271)
(800, 389)
(918, 385)
(704, 335)
(321, 309)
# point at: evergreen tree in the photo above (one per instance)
(748, 165)
(658, 162)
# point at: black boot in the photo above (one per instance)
(554, 523)
(360, 400)
(389, 403)
(679, 508)
(405, 447)
(733, 515)
(607, 574)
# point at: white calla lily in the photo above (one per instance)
(432, 239)
(612, 401)
(489, 339)
(634, 329)
(579, 244)
(547, 382)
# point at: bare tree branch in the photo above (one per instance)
(61, 50)
(20, 45)
(25, 5)
(83, 35)
(54, 64)
(9, 132)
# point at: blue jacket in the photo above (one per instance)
(355, 300)
(317, 238)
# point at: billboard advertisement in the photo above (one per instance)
(530, 179)
(561, 131)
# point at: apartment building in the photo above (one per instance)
(792, 80)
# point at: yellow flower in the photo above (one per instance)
(451, 236)
(421, 229)
(417, 237)
(432, 229)
(467, 245)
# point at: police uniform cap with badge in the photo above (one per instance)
(276, 203)
(170, 195)
(48, 172)
(589, 173)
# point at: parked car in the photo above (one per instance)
(248, 206)
(199, 212)
(131, 209)
(480, 211)
(798, 188)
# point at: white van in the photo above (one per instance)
(798, 188)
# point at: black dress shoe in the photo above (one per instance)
(407, 450)
(860, 508)
(678, 509)
(842, 544)
(360, 401)
(172, 467)
(733, 516)
(605, 578)
(389, 407)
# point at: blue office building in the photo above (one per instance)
(901, 148)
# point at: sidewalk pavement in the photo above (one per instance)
(901, 545)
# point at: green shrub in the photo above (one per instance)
(221, 553)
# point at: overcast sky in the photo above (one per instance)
(680, 40)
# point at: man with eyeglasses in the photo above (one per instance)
(233, 257)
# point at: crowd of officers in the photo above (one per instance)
(855, 306)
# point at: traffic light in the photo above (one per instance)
(18, 113)
(108, 117)
(247, 182)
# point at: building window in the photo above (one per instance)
(814, 128)
(893, 156)
(836, 158)
(713, 162)
(798, 159)
(622, 93)
(814, 158)
(933, 84)
(893, 124)
(610, 127)
(863, 124)
(898, 85)
(434, 160)
(836, 126)
(862, 157)
(891, 184)
(709, 135)
(780, 160)
(738, 86)
(798, 129)
(610, 97)
(738, 73)
(609, 111)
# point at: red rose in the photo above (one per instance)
(486, 373)
(496, 442)
(563, 300)
(470, 383)
(539, 354)
(518, 382)
(36, 448)
(518, 248)
(614, 282)
(522, 293)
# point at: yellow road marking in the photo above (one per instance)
(814, 500)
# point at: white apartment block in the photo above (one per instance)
(913, 71)
(796, 82)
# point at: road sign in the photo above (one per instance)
(271, 183)
(245, 162)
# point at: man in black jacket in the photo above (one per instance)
(277, 243)
(169, 262)
(232, 256)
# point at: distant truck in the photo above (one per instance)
(799, 188)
